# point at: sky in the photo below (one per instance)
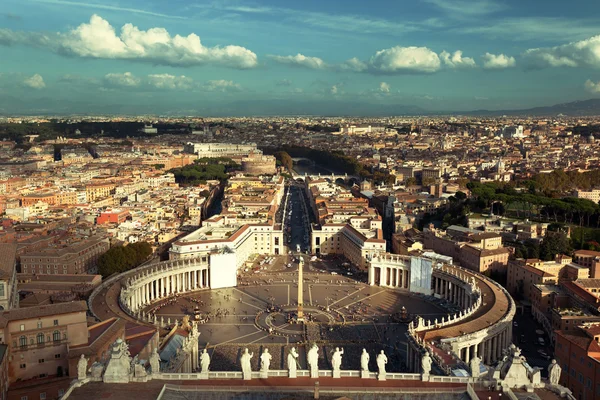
(237, 57)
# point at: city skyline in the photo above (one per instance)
(238, 56)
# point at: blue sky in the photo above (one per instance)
(223, 56)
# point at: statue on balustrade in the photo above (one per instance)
(313, 361)
(246, 366)
(204, 361)
(382, 360)
(336, 361)
(364, 361)
(426, 363)
(554, 371)
(265, 360)
(155, 362)
(82, 368)
(292, 362)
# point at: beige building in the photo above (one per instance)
(593, 195)
(478, 251)
(9, 296)
(39, 339)
(524, 274)
(589, 259)
(78, 258)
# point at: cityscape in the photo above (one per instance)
(228, 221)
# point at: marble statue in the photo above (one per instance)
(554, 371)
(82, 368)
(336, 361)
(246, 367)
(426, 363)
(118, 369)
(204, 361)
(313, 361)
(382, 360)
(292, 362)
(155, 362)
(265, 360)
(474, 365)
(364, 361)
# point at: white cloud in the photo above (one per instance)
(35, 82)
(334, 89)
(546, 29)
(98, 39)
(405, 59)
(498, 61)
(126, 79)
(467, 7)
(283, 82)
(354, 64)
(222, 85)
(301, 60)
(107, 7)
(584, 53)
(456, 60)
(168, 81)
(592, 87)
(384, 87)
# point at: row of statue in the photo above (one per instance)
(293, 365)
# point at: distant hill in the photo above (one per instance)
(575, 108)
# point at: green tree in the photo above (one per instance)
(123, 258)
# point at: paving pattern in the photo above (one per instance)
(345, 313)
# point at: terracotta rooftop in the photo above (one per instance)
(8, 254)
(494, 307)
(42, 311)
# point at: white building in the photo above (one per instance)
(213, 150)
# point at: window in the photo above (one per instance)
(39, 324)
(55, 322)
(41, 361)
(56, 336)
(61, 392)
(2, 289)
(22, 327)
(43, 396)
(22, 341)
(57, 356)
(22, 366)
(40, 338)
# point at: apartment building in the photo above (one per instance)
(577, 351)
(74, 258)
(38, 340)
(589, 259)
(524, 274)
(479, 251)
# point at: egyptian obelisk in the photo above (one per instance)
(300, 289)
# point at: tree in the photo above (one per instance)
(554, 243)
(123, 258)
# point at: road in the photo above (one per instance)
(526, 338)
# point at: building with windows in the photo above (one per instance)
(75, 258)
(9, 296)
(38, 340)
(213, 150)
(577, 351)
(589, 259)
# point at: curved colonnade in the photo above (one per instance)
(155, 282)
(483, 329)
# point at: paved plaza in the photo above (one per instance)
(258, 314)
